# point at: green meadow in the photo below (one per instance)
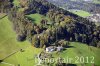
(37, 17)
(80, 13)
(9, 45)
(79, 52)
(8, 42)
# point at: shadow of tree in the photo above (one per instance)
(71, 65)
(70, 47)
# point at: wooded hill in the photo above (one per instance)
(62, 25)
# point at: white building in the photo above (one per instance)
(50, 49)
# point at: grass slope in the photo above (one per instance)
(80, 13)
(8, 42)
(37, 17)
(80, 50)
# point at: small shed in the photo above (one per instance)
(50, 49)
(60, 48)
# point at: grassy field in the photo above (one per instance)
(37, 17)
(26, 58)
(9, 44)
(79, 49)
(80, 13)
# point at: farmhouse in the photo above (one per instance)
(53, 48)
(50, 49)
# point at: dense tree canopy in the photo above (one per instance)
(62, 25)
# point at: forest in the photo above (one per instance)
(63, 24)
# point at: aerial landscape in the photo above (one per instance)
(49, 32)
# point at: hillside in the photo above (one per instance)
(26, 58)
(8, 39)
(35, 30)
